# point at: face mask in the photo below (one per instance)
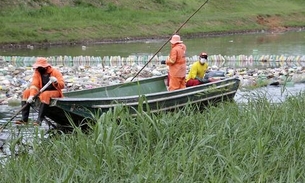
(41, 70)
(202, 60)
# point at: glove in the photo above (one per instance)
(199, 79)
(202, 80)
(30, 99)
(53, 79)
(163, 62)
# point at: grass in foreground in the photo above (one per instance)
(258, 142)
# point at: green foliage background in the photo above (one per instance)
(54, 21)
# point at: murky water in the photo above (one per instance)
(274, 94)
(289, 43)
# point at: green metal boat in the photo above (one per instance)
(150, 95)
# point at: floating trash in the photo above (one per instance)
(235, 61)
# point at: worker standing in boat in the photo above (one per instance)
(43, 73)
(177, 64)
(197, 71)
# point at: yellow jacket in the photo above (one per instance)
(197, 70)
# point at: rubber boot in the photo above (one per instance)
(24, 113)
(42, 112)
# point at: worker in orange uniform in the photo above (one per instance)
(43, 73)
(197, 71)
(177, 64)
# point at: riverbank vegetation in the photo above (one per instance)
(88, 21)
(257, 142)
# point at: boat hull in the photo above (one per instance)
(149, 95)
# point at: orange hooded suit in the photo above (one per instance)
(36, 85)
(177, 64)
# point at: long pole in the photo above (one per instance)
(169, 39)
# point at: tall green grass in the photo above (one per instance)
(257, 142)
(92, 20)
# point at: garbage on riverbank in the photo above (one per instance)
(83, 73)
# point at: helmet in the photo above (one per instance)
(203, 55)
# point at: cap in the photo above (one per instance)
(203, 55)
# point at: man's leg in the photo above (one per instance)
(26, 109)
(25, 113)
(41, 113)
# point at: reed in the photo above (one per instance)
(256, 142)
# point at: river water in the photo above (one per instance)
(288, 43)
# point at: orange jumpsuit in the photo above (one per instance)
(177, 66)
(36, 85)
